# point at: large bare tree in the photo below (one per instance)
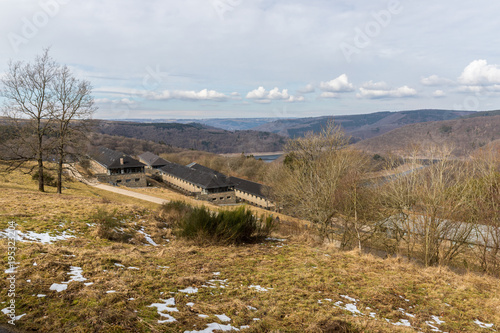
(73, 106)
(45, 106)
(320, 181)
(29, 100)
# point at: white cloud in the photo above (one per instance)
(328, 94)
(202, 95)
(438, 94)
(374, 90)
(307, 89)
(339, 84)
(261, 95)
(126, 101)
(479, 72)
(435, 80)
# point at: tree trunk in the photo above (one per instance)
(41, 186)
(59, 175)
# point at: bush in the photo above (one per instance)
(109, 226)
(48, 179)
(224, 227)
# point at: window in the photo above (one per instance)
(119, 181)
(127, 180)
(229, 197)
(137, 179)
(222, 198)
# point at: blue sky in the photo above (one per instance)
(264, 58)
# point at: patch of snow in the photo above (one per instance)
(189, 290)
(256, 319)
(402, 322)
(58, 287)
(407, 300)
(167, 305)
(203, 316)
(275, 239)
(35, 264)
(437, 320)
(110, 291)
(349, 307)
(349, 298)
(190, 304)
(258, 288)
(482, 325)
(223, 317)
(131, 299)
(31, 236)
(215, 326)
(147, 237)
(88, 284)
(163, 267)
(119, 265)
(169, 319)
(251, 308)
(216, 273)
(433, 328)
(133, 268)
(41, 295)
(408, 314)
(244, 327)
(76, 274)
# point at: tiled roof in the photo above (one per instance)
(111, 159)
(153, 160)
(250, 187)
(203, 179)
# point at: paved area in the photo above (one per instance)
(131, 193)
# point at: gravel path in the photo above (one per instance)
(131, 194)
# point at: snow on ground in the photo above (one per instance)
(258, 288)
(223, 317)
(189, 290)
(167, 305)
(7, 311)
(31, 236)
(76, 275)
(482, 325)
(215, 326)
(147, 237)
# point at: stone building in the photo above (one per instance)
(117, 168)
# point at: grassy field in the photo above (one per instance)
(157, 283)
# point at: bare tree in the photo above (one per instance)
(429, 208)
(27, 89)
(73, 106)
(320, 181)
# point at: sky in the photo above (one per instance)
(265, 58)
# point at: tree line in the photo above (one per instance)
(47, 111)
(444, 212)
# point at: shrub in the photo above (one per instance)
(48, 179)
(223, 227)
(109, 226)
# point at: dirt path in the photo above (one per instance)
(131, 193)
(73, 172)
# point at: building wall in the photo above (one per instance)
(97, 168)
(221, 198)
(128, 179)
(253, 199)
(181, 184)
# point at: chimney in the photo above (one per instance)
(121, 160)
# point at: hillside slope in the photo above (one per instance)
(464, 135)
(362, 126)
(196, 136)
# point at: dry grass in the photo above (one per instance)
(296, 273)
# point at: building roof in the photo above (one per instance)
(250, 187)
(111, 159)
(203, 179)
(202, 168)
(152, 160)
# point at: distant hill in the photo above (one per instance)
(465, 135)
(360, 126)
(195, 136)
(229, 124)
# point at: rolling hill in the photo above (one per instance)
(362, 126)
(195, 136)
(464, 135)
